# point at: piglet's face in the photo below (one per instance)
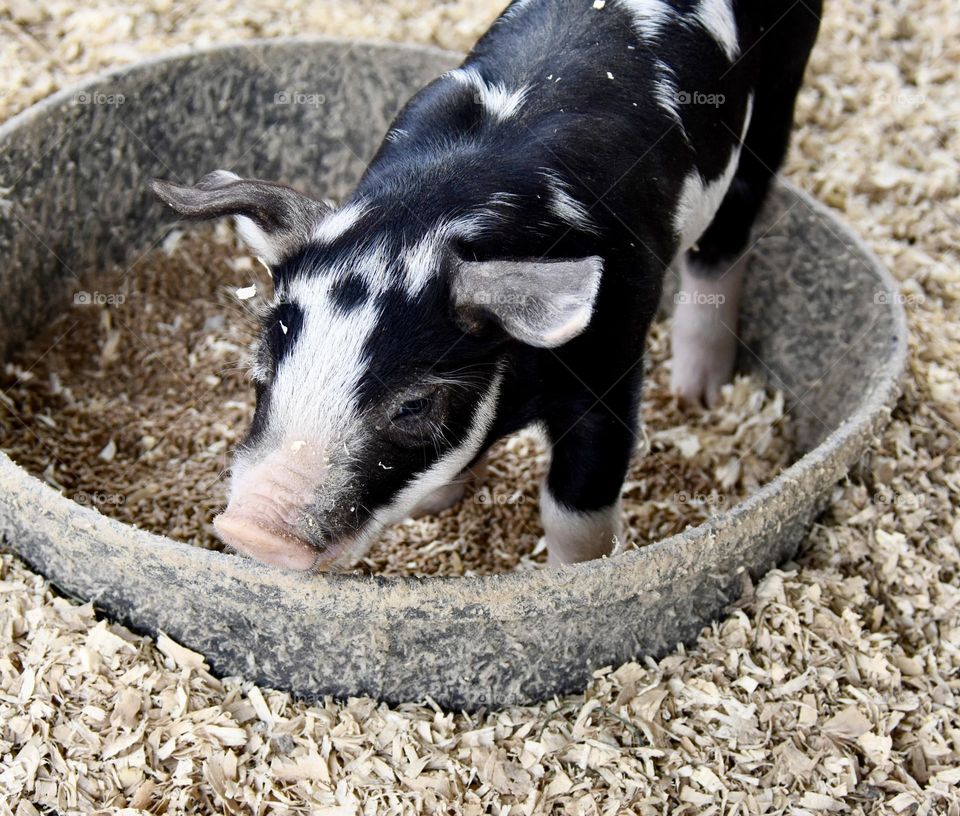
(373, 388)
(360, 414)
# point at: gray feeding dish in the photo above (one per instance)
(822, 320)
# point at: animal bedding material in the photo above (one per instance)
(134, 398)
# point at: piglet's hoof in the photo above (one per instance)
(703, 360)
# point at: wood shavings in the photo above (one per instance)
(155, 455)
(867, 619)
(148, 391)
(181, 657)
(109, 451)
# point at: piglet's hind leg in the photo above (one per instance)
(704, 333)
(704, 339)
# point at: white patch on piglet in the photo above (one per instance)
(717, 18)
(562, 203)
(314, 392)
(704, 336)
(700, 200)
(339, 222)
(499, 101)
(574, 536)
(650, 17)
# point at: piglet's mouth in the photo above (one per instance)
(269, 543)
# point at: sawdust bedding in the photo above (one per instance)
(833, 685)
(132, 400)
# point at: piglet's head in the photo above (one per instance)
(382, 369)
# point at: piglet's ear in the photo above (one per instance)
(540, 303)
(272, 219)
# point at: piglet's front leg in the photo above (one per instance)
(578, 535)
(580, 499)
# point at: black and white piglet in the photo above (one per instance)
(499, 264)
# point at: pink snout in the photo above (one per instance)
(266, 509)
(275, 546)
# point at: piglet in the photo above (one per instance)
(498, 266)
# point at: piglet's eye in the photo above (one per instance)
(412, 409)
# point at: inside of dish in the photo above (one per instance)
(132, 399)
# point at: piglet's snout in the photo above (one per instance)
(267, 506)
